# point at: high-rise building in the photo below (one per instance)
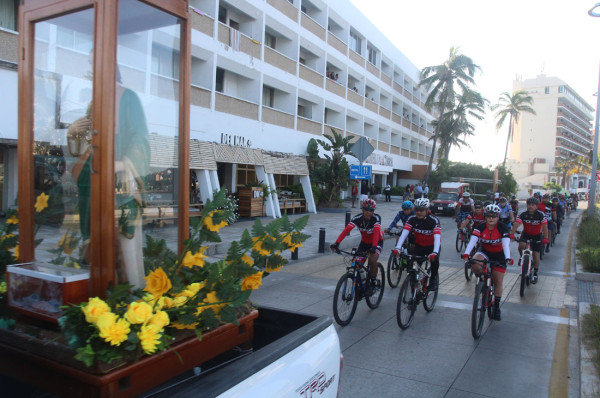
(560, 130)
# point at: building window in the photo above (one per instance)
(72, 39)
(222, 14)
(268, 96)
(8, 14)
(246, 174)
(372, 55)
(219, 80)
(165, 61)
(302, 60)
(547, 91)
(234, 24)
(270, 40)
(355, 42)
(561, 89)
(301, 110)
(283, 180)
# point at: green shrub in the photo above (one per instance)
(591, 333)
(588, 243)
(397, 191)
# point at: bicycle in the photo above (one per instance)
(462, 239)
(526, 263)
(484, 297)
(395, 266)
(468, 270)
(351, 287)
(414, 290)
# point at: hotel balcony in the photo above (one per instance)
(280, 61)
(286, 8)
(236, 106)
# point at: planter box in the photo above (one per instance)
(39, 289)
(34, 361)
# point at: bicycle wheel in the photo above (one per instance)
(458, 241)
(394, 270)
(406, 306)
(374, 300)
(524, 269)
(490, 301)
(431, 297)
(479, 306)
(468, 271)
(345, 300)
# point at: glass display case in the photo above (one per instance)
(39, 289)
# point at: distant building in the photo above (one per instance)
(560, 129)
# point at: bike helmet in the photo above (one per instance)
(422, 203)
(486, 203)
(478, 203)
(533, 200)
(546, 195)
(407, 204)
(466, 194)
(369, 203)
(492, 209)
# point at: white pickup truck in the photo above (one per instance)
(293, 355)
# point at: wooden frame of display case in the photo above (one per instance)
(103, 181)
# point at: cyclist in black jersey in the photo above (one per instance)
(495, 240)
(427, 232)
(371, 238)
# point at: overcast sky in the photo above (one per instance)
(505, 38)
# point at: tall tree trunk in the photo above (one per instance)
(510, 128)
(426, 179)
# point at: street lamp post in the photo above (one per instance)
(592, 197)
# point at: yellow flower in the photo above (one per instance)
(66, 243)
(247, 259)
(41, 202)
(209, 299)
(94, 308)
(115, 333)
(157, 303)
(271, 269)
(12, 219)
(252, 281)
(16, 252)
(2, 287)
(138, 312)
(106, 320)
(192, 289)
(160, 319)
(149, 337)
(287, 240)
(210, 225)
(181, 326)
(169, 303)
(190, 260)
(157, 282)
(179, 301)
(258, 245)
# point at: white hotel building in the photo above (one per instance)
(267, 76)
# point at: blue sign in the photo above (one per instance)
(360, 172)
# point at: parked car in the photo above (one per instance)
(444, 203)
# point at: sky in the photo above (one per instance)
(506, 39)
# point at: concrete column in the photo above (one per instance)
(205, 185)
(214, 179)
(273, 187)
(308, 194)
(262, 176)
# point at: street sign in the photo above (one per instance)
(362, 149)
(360, 172)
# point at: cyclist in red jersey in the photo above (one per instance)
(535, 228)
(476, 218)
(371, 238)
(495, 240)
(426, 231)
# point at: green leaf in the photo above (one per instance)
(258, 229)
(300, 223)
(86, 355)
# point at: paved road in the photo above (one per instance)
(532, 352)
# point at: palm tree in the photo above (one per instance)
(456, 126)
(512, 106)
(445, 83)
(570, 166)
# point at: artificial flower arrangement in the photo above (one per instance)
(185, 292)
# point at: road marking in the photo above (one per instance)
(557, 320)
(559, 374)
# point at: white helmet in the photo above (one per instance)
(493, 208)
(466, 194)
(422, 203)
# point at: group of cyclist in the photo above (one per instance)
(491, 226)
